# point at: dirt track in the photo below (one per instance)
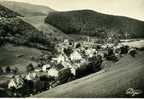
(128, 72)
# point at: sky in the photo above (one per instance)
(129, 8)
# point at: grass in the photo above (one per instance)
(9, 56)
(38, 23)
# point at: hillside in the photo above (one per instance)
(9, 56)
(7, 13)
(27, 26)
(33, 16)
(26, 9)
(39, 24)
(17, 31)
(111, 82)
(88, 22)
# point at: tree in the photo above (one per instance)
(15, 70)
(8, 69)
(1, 70)
(30, 67)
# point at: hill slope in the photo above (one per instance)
(15, 30)
(26, 9)
(30, 25)
(127, 73)
(34, 15)
(7, 13)
(39, 24)
(88, 22)
(9, 56)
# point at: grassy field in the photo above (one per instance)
(38, 23)
(111, 82)
(9, 56)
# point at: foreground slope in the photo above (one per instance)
(113, 82)
(88, 22)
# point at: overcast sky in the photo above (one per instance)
(130, 8)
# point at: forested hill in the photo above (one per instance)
(88, 22)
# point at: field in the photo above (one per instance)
(10, 56)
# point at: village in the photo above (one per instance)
(73, 60)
